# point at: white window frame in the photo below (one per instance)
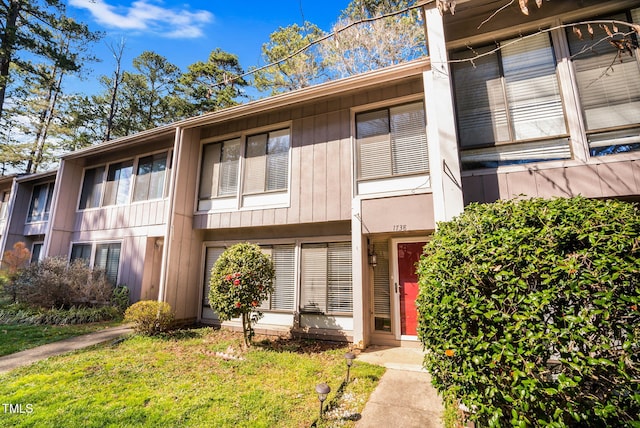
(94, 246)
(297, 243)
(393, 184)
(40, 255)
(241, 200)
(44, 215)
(614, 136)
(514, 149)
(132, 186)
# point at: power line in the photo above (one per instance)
(228, 80)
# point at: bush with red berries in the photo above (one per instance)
(241, 279)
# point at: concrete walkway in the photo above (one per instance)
(404, 397)
(19, 359)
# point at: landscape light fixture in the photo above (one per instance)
(323, 390)
(349, 356)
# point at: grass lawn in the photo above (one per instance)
(198, 378)
(18, 337)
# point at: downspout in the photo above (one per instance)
(168, 236)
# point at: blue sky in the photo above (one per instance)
(186, 32)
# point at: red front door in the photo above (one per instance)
(408, 256)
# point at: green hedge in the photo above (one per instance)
(529, 312)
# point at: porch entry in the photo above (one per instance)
(395, 286)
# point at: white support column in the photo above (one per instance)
(359, 314)
(444, 163)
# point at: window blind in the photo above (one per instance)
(283, 257)
(91, 188)
(229, 163)
(278, 160)
(409, 139)
(339, 283)
(209, 171)
(313, 283)
(381, 293)
(531, 87)
(255, 165)
(211, 255)
(326, 278)
(608, 85)
(149, 183)
(108, 258)
(392, 142)
(118, 183)
(81, 251)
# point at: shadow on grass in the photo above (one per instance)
(298, 345)
(334, 405)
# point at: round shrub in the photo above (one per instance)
(149, 317)
(241, 279)
(528, 311)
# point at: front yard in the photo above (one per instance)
(18, 337)
(198, 378)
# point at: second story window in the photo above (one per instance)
(508, 104)
(40, 203)
(150, 177)
(255, 167)
(608, 79)
(392, 142)
(118, 183)
(114, 184)
(4, 205)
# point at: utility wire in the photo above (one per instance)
(230, 79)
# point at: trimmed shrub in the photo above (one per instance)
(149, 317)
(528, 311)
(241, 279)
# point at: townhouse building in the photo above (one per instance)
(343, 183)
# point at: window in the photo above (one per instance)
(92, 188)
(211, 255)
(608, 80)
(508, 104)
(81, 251)
(148, 181)
(283, 256)
(220, 169)
(150, 175)
(392, 142)
(282, 298)
(253, 166)
(267, 162)
(118, 183)
(4, 205)
(381, 291)
(36, 252)
(107, 257)
(40, 203)
(326, 284)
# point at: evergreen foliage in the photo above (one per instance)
(528, 311)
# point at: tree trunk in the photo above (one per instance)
(7, 45)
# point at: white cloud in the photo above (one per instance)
(142, 15)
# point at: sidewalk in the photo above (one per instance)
(19, 359)
(404, 397)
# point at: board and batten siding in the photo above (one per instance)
(597, 179)
(321, 185)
